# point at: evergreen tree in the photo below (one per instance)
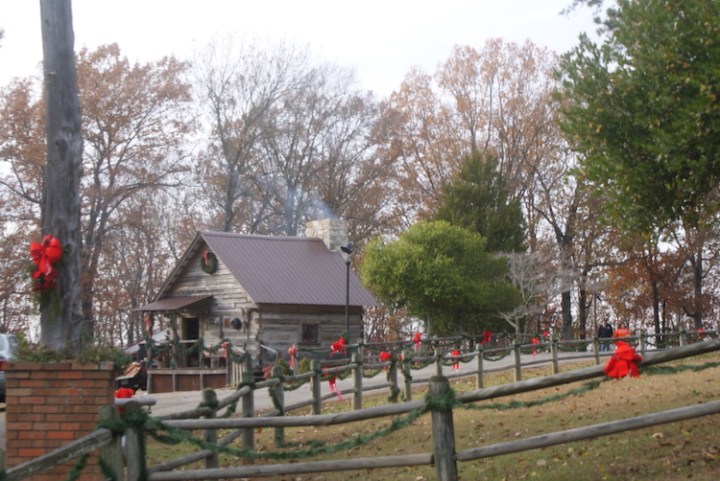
(480, 201)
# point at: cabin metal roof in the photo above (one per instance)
(173, 303)
(287, 270)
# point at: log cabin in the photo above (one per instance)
(261, 294)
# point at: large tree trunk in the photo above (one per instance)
(583, 312)
(655, 304)
(697, 265)
(61, 322)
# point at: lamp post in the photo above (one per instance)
(347, 249)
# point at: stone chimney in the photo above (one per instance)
(333, 232)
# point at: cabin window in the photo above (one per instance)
(309, 334)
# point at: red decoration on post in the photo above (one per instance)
(332, 379)
(292, 351)
(338, 347)
(623, 362)
(487, 337)
(416, 341)
(45, 254)
(385, 356)
(535, 341)
(123, 393)
(456, 364)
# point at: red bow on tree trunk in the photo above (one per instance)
(45, 254)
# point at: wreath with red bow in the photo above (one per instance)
(45, 254)
(208, 262)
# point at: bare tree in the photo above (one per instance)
(532, 275)
(239, 89)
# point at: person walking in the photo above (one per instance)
(605, 331)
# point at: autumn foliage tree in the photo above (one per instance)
(133, 118)
(641, 109)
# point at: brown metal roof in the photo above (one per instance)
(172, 303)
(287, 270)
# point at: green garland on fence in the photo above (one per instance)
(489, 357)
(441, 402)
(526, 404)
(177, 436)
(369, 374)
(417, 365)
(654, 370)
(398, 346)
(107, 470)
(77, 468)
(295, 385)
(314, 350)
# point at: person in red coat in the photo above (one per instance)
(622, 331)
(623, 362)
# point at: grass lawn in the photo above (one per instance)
(683, 450)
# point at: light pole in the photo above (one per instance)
(347, 249)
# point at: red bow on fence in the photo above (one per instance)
(123, 393)
(535, 341)
(456, 364)
(292, 352)
(487, 337)
(338, 347)
(623, 362)
(416, 341)
(44, 254)
(332, 379)
(384, 357)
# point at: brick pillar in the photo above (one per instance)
(51, 404)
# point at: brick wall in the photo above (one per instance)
(50, 404)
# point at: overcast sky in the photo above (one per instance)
(380, 39)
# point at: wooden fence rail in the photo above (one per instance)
(444, 456)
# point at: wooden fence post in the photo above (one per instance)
(438, 362)
(393, 380)
(248, 404)
(596, 349)
(681, 337)
(407, 363)
(479, 376)
(518, 361)
(210, 400)
(357, 380)
(316, 386)
(277, 392)
(643, 347)
(111, 455)
(135, 455)
(443, 431)
(554, 348)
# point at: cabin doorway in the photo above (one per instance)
(190, 335)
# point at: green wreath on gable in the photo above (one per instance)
(208, 262)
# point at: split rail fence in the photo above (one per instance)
(122, 454)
